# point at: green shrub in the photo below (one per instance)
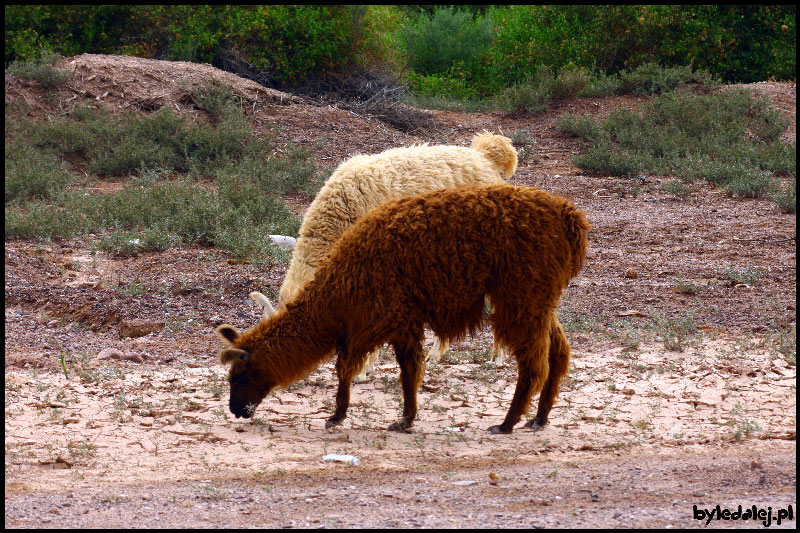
(736, 43)
(217, 99)
(161, 208)
(785, 195)
(533, 94)
(675, 331)
(731, 139)
(238, 217)
(288, 42)
(292, 42)
(651, 78)
(41, 70)
(536, 91)
(442, 86)
(381, 37)
(32, 173)
(436, 43)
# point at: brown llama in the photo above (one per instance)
(429, 259)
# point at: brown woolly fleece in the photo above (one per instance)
(426, 260)
(364, 182)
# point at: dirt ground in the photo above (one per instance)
(137, 434)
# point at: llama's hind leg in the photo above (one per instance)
(533, 368)
(345, 372)
(558, 359)
(500, 353)
(439, 348)
(412, 370)
(369, 366)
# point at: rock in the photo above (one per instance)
(135, 357)
(110, 353)
(138, 328)
(631, 273)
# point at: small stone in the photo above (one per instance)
(138, 328)
(135, 357)
(110, 353)
(631, 273)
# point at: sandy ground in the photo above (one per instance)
(137, 433)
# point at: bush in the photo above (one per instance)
(156, 211)
(437, 85)
(651, 78)
(730, 139)
(33, 174)
(435, 44)
(40, 69)
(289, 42)
(536, 92)
(292, 42)
(737, 43)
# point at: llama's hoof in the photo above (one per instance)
(400, 427)
(332, 422)
(497, 430)
(360, 379)
(535, 425)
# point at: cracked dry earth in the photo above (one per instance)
(137, 433)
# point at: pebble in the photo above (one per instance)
(110, 353)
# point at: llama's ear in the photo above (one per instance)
(229, 355)
(227, 333)
(263, 303)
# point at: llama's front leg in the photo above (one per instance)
(412, 370)
(559, 365)
(345, 373)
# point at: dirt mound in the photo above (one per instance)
(139, 81)
(133, 82)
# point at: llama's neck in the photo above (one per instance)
(292, 343)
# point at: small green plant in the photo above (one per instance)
(677, 188)
(217, 99)
(685, 286)
(651, 78)
(61, 357)
(785, 340)
(81, 449)
(742, 428)
(533, 94)
(746, 276)
(675, 331)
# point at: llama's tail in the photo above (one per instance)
(577, 225)
(498, 150)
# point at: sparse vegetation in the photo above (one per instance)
(41, 70)
(676, 331)
(746, 276)
(731, 139)
(157, 211)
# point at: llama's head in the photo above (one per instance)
(248, 384)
